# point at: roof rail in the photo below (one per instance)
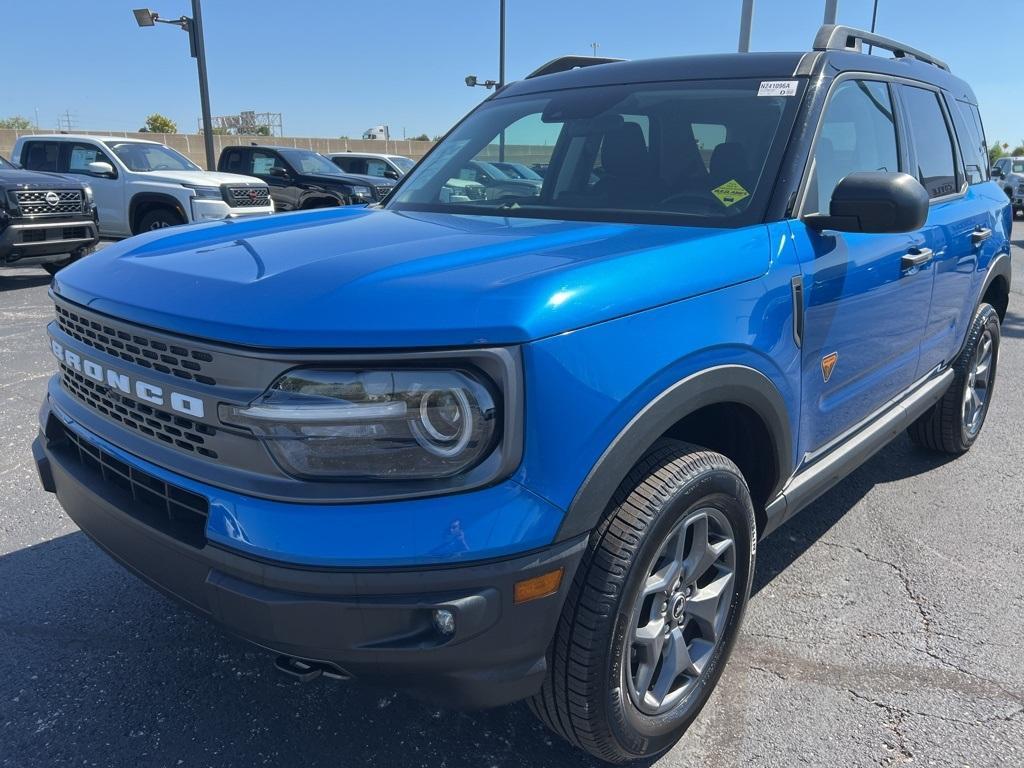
(835, 37)
(565, 63)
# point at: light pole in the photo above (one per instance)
(746, 16)
(831, 8)
(194, 26)
(471, 80)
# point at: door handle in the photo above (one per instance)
(980, 235)
(917, 257)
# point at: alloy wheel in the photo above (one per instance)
(978, 385)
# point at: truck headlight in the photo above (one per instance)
(205, 193)
(88, 194)
(398, 424)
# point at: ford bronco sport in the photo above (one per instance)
(525, 447)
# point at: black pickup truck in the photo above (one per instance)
(46, 219)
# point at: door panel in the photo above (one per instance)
(864, 311)
(108, 193)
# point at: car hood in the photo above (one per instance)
(22, 179)
(202, 178)
(357, 278)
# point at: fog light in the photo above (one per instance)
(444, 621)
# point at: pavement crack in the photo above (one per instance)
(895, 717)
(767, 671)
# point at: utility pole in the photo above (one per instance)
(501, 72)
(594, 47)
(746, 17)
(831, 8)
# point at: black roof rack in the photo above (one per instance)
(565, 63)
(835, 37)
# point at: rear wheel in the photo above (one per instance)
(654, 608)
(954, 423)
(159, 218)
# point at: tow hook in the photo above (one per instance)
(306, 671)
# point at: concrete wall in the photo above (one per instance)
(191, 145)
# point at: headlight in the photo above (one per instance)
(364, 192)
(206, 193)
(88, 194)
(382, 424)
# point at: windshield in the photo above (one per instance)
(693, 152)
(307, 161)
(519, 171)
(404, 163)
(151, 157)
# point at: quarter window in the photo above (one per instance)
(933, 148)
(972, 142)
(858, 133)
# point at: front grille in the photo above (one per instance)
(383, 191)
(185, 434)
(168, 508)
(247, 197)
(172, 359)
(33, 202)
(74, 233)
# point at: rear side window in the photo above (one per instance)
(973, 148)
(234, 162)
(929, 135)
(858, 133)
(40, 155)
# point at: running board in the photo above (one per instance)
(812, 482)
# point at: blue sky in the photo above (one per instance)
(336, 68)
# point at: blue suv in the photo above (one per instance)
(523, 446)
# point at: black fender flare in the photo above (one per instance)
(141, 199)
(720, 384)
(1000, 266)
(321, 194)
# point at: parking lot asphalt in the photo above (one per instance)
(885, 628)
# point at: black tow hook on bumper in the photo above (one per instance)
(305, 671)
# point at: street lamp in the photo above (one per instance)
(471, 80)
(194, 26)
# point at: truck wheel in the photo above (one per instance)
(954, 423)
(158, 218)
(654, 608)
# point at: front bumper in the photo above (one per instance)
(368, 623)
(34, 239)
(217, 210)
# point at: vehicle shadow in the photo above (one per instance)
(98, 667)
(19, 280)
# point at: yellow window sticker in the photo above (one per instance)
(730, 193)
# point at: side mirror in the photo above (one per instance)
(997, 173)
(874, 202)
(101, 168)
(278, 172)
(391, 174)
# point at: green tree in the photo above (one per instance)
(1018, 151)
(157, 123)
(17, 123)
(421, 137)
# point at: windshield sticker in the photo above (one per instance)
(777, 88)
(730, 193)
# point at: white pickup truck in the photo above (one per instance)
(142, 185)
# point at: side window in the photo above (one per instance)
(929, 135)
(375, 167)
(83, 154)
(858, 133)
(234, 162)
(973, 145)
(262, 162)
(40, 155)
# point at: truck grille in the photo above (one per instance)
(383, 191)
(184, 434)
(48, 202)
(147, 352)
(247, 197)
(164, 506)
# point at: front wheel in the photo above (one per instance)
(954, 423)
(654, 608)
(159, 218)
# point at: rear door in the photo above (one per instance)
(956, 217)
(864, 313)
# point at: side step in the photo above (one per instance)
(812, 482)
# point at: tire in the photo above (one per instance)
(590, 697)
(953, 424)
(159, 218)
